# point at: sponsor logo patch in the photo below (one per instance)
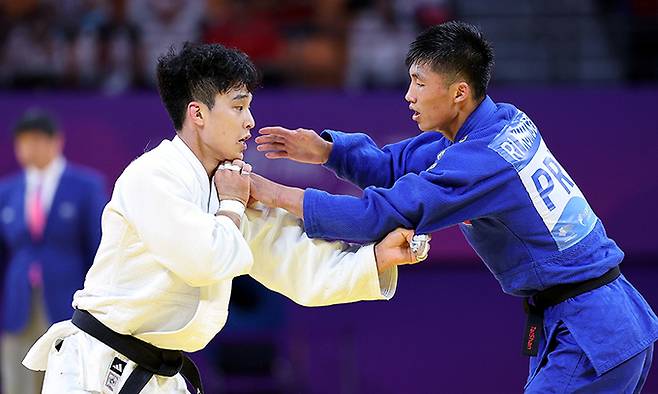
(114, 374)
(118, 366)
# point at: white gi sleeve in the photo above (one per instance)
(198, 247)
(311, 272)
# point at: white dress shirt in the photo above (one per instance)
(48, 179)
(165, 263)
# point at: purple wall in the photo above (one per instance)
(450, 328)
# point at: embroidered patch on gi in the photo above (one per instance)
(114, 374)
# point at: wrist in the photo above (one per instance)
(278, 196)
(233, 197)
(326, 151)
(380, 258)
(236, 207)
(291, 199)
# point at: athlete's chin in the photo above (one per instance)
(423, 127)
(230, 157)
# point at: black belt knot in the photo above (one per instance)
(534, 306)
(150, 359)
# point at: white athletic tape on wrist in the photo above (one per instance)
(234, 206)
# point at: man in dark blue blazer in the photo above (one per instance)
(49, 232)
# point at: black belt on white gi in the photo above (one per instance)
(150, 359)
(534, 306)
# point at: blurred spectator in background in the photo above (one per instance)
(378, 40)
(49, 231)
(643, 41)
(315, 34)
(356, 44)
(118, 53)
(252, 26)
(35, 53)
(163, 23)
(78, 22)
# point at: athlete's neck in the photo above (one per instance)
(204, 155)
(460, 118)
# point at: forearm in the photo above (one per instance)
(360, 220)
(309, 272)
(292, 200)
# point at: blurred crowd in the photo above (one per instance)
(113, 45)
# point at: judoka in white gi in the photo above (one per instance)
(175, 234)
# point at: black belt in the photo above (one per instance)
(553, 296)
(150, 359)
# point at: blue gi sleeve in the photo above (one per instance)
(356, 158)
(91, 219)
(458, 188)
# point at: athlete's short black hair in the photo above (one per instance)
(455, 48)
(198, 72)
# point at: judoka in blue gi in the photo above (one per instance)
(489, 171)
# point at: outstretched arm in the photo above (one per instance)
(352, 156)
(315, 272)
(455, 190)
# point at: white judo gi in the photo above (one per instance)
(164, 268)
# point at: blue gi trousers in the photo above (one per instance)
(565, 368)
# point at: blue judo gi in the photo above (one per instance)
(524, 216)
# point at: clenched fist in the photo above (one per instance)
(232, 181)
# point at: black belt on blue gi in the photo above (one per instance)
(534, 306)
(150, 359)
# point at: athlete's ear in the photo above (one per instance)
(462, 91)
(195, 113)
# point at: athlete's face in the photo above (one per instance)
(227, 125)
(431, 96)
